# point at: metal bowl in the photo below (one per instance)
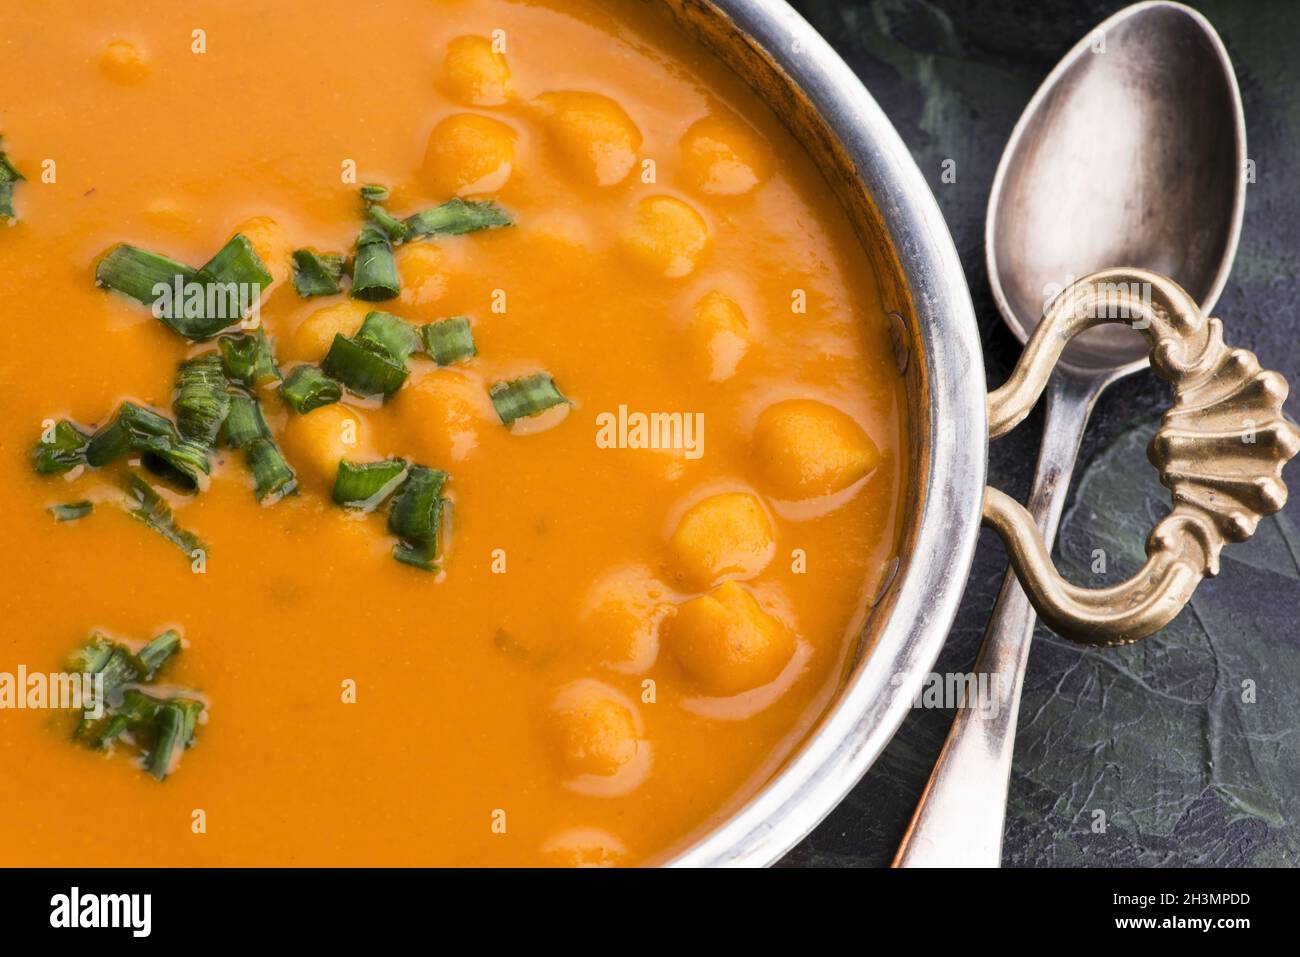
(899, 225)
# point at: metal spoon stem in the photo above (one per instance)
(959, 820)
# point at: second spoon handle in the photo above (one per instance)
(959, 820)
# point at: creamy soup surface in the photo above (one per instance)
(619, 645)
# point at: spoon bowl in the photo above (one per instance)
(1131, 153)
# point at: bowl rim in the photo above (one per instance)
(876, 697)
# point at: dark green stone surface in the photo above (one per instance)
(1161, 737)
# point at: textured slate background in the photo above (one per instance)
(1157, 736)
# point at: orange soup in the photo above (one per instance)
(526, 512)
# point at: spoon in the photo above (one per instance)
(1131, 153)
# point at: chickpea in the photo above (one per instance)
(314, 443)
(594, 729)
(726, 643)
(723, 535)
(719, 337)
(122, 62)
(443, 415)
(469, 154)
(475, 73)
(583, 847)
(618, 619)
(593, 133)
(421, 270)
(721, 156)
(804, 448)
(666, 237)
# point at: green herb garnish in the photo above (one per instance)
(71, 511)
(139, 274)
(202, 401)
(61, 449)
(456, 217)
(307, 388)
(162, 448)
(317, 274)
(374, 271)
(415, 516)
(448, 340)
(247, 359)
(175, 722)
(136, 714)
(371, 197)
(245, 423)
(236, 264)
(365, 485)
(156, 653)
(196, 303)
(9, 175)
(363, 366)
(145, 504)
(160, 727)
(524, 397)
(391, 335)
(272, 477)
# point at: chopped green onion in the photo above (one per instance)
(365, 485)
(422, 556)
(138, 273)
(160, 727)
(9, 175)
(137, 712)
(120, 665)
(92, 657)
(390, 334)
(64, 450)
(457, 216)
(180, 464)
(236, 263)
(393, 228)
(272, 476)
(71, 511)
(371, 193)
(201, 399)
(147, 506)
(363, 367)
(175, 722)
(245, 423)
(197, 303)
(246, 429)
(373, 362)
(374, 273)
(414, 512)
(317, 274)
(162, 448)
(157, 652)
(308, 388)
(116, 663)
(192, 708)
(524, 397)
(119, 437)
(117, 666)
(247, 359)
(415, 515)
(449, 340)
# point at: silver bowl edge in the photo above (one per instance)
(922, 600)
